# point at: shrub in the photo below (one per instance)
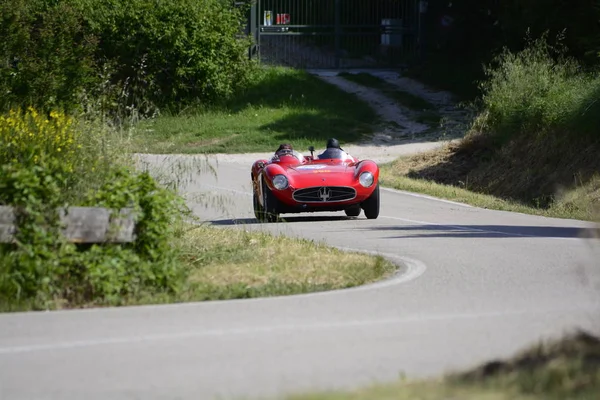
(171, 52)
(537, 92)
(46, 55)
(138, 54)
(86, 150)
(45, 165)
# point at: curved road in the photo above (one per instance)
(475, 284)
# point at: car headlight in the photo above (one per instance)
(280, 182)
(366, 179)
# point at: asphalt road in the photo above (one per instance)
(474, 284)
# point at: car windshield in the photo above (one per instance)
(333, 153)
(292, 153)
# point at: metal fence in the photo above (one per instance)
(336, 33)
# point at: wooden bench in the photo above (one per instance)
(81, 225)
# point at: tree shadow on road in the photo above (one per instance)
(488, 231)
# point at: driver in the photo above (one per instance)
(284, 149)
(333, 150)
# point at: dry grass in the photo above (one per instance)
(563, 369)
(535, 178)
(233, 263)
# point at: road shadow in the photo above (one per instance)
(254, 221)
(489, 231)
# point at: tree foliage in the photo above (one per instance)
(160, 52)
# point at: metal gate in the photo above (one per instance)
(336, 33)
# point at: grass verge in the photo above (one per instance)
(565, 369)
(282, 105)
(441, 173)
(234, 263)
(223, 263)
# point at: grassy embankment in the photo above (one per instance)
(280, 105)
(532, 148)
(557, 370)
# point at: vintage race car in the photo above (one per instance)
(333, 181)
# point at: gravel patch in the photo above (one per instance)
(397, 121)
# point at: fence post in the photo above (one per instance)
(338, 33)
(253, 22)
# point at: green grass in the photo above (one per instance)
(559, 370)
(456, 75)
(225, 263)
(283, 105)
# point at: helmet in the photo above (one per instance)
(333, 143)
(284, 149)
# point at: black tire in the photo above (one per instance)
(259, 212)
(352, 211)
(270, 204)
(371, 205)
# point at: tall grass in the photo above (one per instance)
(539, 92)
(535, 139)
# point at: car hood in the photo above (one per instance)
(321, 174)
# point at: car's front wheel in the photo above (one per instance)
(259, 212)
(371, 205)
(270, 204)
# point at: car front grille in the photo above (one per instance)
(324, 194)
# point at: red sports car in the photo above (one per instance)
(333, 181)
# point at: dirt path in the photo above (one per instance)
(399, 123)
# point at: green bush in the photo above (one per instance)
(536, 92)
(46, 55)
(171, 52)
(44, 166)
(137, 54)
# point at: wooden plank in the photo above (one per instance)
(81, 225)
(122, 227)
(7, 224)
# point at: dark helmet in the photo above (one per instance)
(333, 143)
(284, 146)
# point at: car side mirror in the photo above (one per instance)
(311, 149)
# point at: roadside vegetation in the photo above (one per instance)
(225, 263)
(76, 78)
(278, 105)
(553, 370)
(534, 141)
